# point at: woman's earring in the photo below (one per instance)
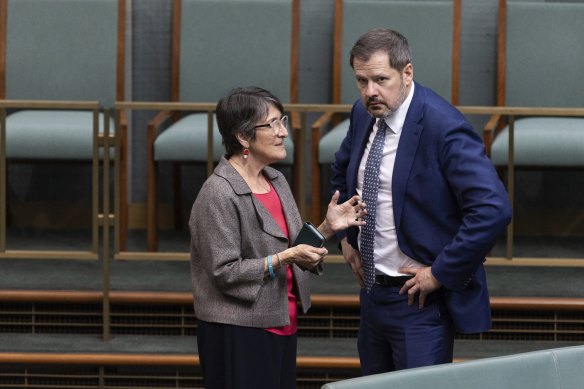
(245, 153)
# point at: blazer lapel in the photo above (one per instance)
(288, 203)
(240, 187)
(267, 222)
(406, 152)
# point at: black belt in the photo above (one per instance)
(391, 282)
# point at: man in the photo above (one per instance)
(435, 208)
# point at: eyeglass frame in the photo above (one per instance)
(276, 125)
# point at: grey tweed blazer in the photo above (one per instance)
(231, 234)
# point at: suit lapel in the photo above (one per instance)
(406, 151)
(360, 140)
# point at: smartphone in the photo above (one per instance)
(311, 236)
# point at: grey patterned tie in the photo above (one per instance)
(369, 195)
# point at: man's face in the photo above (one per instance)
(383, 89)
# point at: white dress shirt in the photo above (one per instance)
(387, 255)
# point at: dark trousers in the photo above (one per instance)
(394, 335)
(244, 357)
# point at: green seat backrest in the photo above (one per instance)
(544, 54)
(62, 50)
(230, 43)
(428, 26)
(570, 362)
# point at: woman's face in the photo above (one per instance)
(268, 146)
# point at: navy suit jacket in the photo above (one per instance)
(448, 202)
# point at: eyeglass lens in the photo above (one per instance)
(278, 124)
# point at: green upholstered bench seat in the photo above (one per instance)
(186, 140)
(542, 141)
(329, 144)
(62, 135)
(547, 369)
(532, 28)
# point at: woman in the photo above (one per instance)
(246, 277)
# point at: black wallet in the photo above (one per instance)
(311, 236)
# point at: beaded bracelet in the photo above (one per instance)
(278, 258)
(270, 267)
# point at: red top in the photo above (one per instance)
(272, 203)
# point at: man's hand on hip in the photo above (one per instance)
(423, 283)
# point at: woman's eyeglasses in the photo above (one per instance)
(276, 125)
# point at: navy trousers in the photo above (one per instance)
(394, 335)
(244, 357)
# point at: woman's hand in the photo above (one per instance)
(342, 216)
(304, 255)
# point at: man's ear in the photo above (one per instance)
(408, 74)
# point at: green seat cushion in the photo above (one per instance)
(57, 135)
(186, 140)
(542, 141)
(331, 141)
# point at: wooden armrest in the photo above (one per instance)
(123, 119)
(159, 119)
(316, 130)
(489, 132)
(295, 121)
(324, 119)
(123, 132)
(155, 123)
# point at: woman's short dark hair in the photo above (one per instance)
(385, 40)
(240, 111)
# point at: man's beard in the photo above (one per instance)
(390, 110)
